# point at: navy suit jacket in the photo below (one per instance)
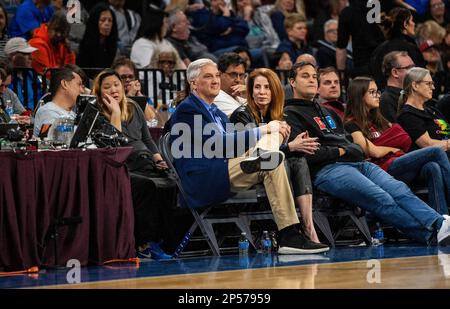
(204, 176)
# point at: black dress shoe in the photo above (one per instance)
(265, 160)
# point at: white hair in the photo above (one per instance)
(193, 70)
(328, 24)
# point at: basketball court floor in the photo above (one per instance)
(385, 266)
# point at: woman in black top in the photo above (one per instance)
(265, 102)
(154, 194)
(425, 124)
(98, 48)
(399, 29)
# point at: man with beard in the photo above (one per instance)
(52, 45)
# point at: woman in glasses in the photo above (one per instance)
(265, 102)
(128, 73)
(386, 144)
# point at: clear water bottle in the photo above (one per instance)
(63, 131)
(243, 244)
(170, 108)
(9, 109)
(378, 236)
(266, 243)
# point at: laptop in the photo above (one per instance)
(141, 101)
(85, 126)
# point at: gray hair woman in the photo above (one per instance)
(425, 124)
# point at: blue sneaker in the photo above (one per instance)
(157, 253)
(145, 254)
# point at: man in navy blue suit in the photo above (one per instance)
(210, 157)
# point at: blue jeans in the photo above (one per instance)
(367, 186)
(430, 164)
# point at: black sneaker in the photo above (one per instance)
(299, 244)
(263, 161)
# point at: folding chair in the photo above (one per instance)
(205, 217)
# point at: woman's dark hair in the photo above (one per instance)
(92, 52)
(357, 111)
(5, 30)
(394, 23)
(152, 21)
(124, 61)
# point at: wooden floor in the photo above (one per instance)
(411, 272)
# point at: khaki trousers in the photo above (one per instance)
(275, 182)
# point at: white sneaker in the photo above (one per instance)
(443, 236)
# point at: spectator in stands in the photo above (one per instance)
(3, 31)
(424, 123)
(265, 103)
(365, 37)
(65, 87)
(233, 91)
(166, 59)
(385, 144)
(399, 27)
(430, 30)
(154, 194)
(7, 95)
(29, 16)
(219, 28)
(128, 23)
(329, 90)
(19, 55)
(188, 46)
(289, 94)
(152, 32)
(295, 44)
(261, 34)
(326, 56)
(228, 170)
(98, 48)
(338, 167)
(52, 45)
(281, 10)
(431, 55)
(395, 66)
(438, 12)
(327, 10)
(132, 86)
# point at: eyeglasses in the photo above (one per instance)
(127, 77)
(428, 83)
(166, 62)
(375, 93)
(405, 68)
(235, 75)
(332, 31)
(438, 5)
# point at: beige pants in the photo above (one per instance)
(275, 182)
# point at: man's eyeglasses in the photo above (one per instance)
(375, 93)
(235, 75)
(406, 68)
(428, 83)
(332, 31)
(127, 77)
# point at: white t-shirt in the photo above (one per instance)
(227, 103)
(47, 114)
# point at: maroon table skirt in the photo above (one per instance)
(39, 187)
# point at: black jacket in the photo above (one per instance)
(325, 124)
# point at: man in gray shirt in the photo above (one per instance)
(128, 23)
(65, 87)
